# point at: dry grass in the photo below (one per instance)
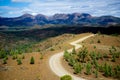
(40, 70)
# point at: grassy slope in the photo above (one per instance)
(106, 42)
(40, 69)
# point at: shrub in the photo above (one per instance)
(99, 56)
(88, 69)
(2, 54)
(117, 54)
(73, 51)
(93, 55)
(66, 55)
(94, 47)
(113, 57)
(23, 57)
(96, 74)
(82, 54)
(71, 60)
(101, 68)
(107, 70)
(4, 61)
(105, 55)
(14, 57)
(98, 41)
(77, 68)
(117, 71)
(66, 77)
(32, 60)
(19, 61)
(52, 49)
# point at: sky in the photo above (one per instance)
(14, 8)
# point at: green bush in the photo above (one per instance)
(88, 68)
(14, 57)
(66, 55)
(4, 61)
(98, 41)
(101, 68)
(83, 54)
(99, 56)
(19, 61)
(94, 47)
(32, 60)
(105, 55)
(73, 51)
(2, 54)
(117, 71)
(77, 68)
(96, 74)
(66, 77)
(107, 70)
(113, 57)
(71, 60)
(52, 49)
(117, 54)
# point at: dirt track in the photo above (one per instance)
(56, 64)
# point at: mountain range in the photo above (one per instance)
(83, 19)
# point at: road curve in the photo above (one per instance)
(56, 64)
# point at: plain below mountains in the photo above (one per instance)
(82, 19)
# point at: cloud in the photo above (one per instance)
(22, 0)
(50, 7)
(8, 8)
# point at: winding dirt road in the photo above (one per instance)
(56, 64)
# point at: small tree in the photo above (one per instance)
(66, 55)
(82, 54)
(14, 57)
(32, 60)
(19, 61)
(96, 74)
(98, 41)
(77, 68)
(4, 61)
(73, 51)
(88, 69)
(66, 77)
(113, 57)
(71, 60)
(107, 70)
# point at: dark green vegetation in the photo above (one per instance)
(32, 61)
(94, 63)
(19, 61)
(20, 40)
(66, 77)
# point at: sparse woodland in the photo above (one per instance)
(94, 63)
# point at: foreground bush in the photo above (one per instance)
(66, 77)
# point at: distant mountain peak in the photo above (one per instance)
(74, 18)
(27, 15)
